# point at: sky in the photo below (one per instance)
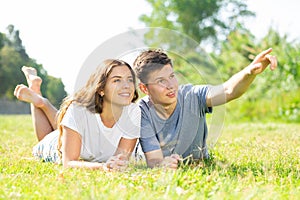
(60, 35)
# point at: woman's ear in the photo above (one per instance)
(101, 93)
(143, 88)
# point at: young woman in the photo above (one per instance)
(97, 126)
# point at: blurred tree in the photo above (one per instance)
(12, 57)
(55, 91)
(16, 42)
(237, 51)
(10, 72)
(200, 20)
(1, 40)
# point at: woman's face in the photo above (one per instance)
(119, 87)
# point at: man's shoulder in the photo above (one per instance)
(143, 100)
(187, 88)
(144, 103)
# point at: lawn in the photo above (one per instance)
(249, 161)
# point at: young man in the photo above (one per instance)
(173, 117)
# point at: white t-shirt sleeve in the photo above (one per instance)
(130, 125)
(72, 118)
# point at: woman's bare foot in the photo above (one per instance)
(34, 81)
(23, 93)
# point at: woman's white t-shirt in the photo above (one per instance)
(99, 143)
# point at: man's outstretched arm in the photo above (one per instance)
(240, 82)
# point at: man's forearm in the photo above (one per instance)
(238, 84)
(151, 163)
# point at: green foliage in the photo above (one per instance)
(12, 57)
(249, 161)
(2, 37)
(15, 42)
(236, 52)
(274, 95)
(195, 67)
(55, 91)
(200, 20)
(10, 71)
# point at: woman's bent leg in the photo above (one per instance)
(41, 124)
(34, 83)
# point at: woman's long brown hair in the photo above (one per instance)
(89, 96)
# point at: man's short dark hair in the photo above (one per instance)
(149, 61)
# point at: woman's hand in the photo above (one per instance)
(118, 162)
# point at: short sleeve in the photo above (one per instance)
(201, 92)
(148, 140)
(73, 118)
(130, 123)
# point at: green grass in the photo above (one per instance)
(249, 161)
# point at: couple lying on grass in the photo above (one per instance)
(98, 126)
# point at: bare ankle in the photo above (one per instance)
(23, 93)
(34, 83)
(33, 80)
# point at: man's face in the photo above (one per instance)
(162, 86)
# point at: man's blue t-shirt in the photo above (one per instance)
(184, 132)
